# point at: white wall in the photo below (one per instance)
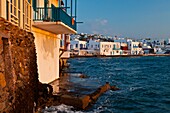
(93, 45)
(107, 48)
(73, 44)
(133, 46)
(47, 49)
(78, 42)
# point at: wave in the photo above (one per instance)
(61, 109)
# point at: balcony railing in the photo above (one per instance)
(116, 48)
(54, 14)
(135, 46)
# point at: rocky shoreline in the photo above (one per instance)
(72, 92)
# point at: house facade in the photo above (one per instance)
(135, 48)
(93, 46)
(51, 24)
(18, 12)
(78, 47)
(110, 48)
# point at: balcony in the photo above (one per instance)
(135, 46)
(55, 20)
(116, 48)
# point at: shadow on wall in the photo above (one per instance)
(49, 46)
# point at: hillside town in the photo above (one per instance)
(95, 44)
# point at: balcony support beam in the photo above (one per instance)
(66, 4)
(71, 8)
(59, 3)
(76, 10)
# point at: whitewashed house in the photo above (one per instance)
(110, 48)
(77, 46)
(93, 46)
(135, 48)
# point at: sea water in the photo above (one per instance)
(144, 84)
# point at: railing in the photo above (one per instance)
(135, 46)
(116, 48)
(54, 14)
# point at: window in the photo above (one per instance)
(76, 45)
(114, 46)
(19, 11)
(81, 46)
(7, 10)
(71, 46)
(61, 43)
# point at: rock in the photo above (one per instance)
(45, 90)
(20, 78)
(83, 76)
(94, 96)
(2, 106)
(2, 80)
(114, 88)
(79, 103)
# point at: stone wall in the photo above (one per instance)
(18, 69)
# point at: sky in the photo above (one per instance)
(125, 18)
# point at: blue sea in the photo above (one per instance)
(144, 83)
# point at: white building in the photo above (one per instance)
(110, 48)
(134, 48)
(93, 44)
(76, 46)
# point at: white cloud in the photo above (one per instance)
(103, 22)
(97, 26)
